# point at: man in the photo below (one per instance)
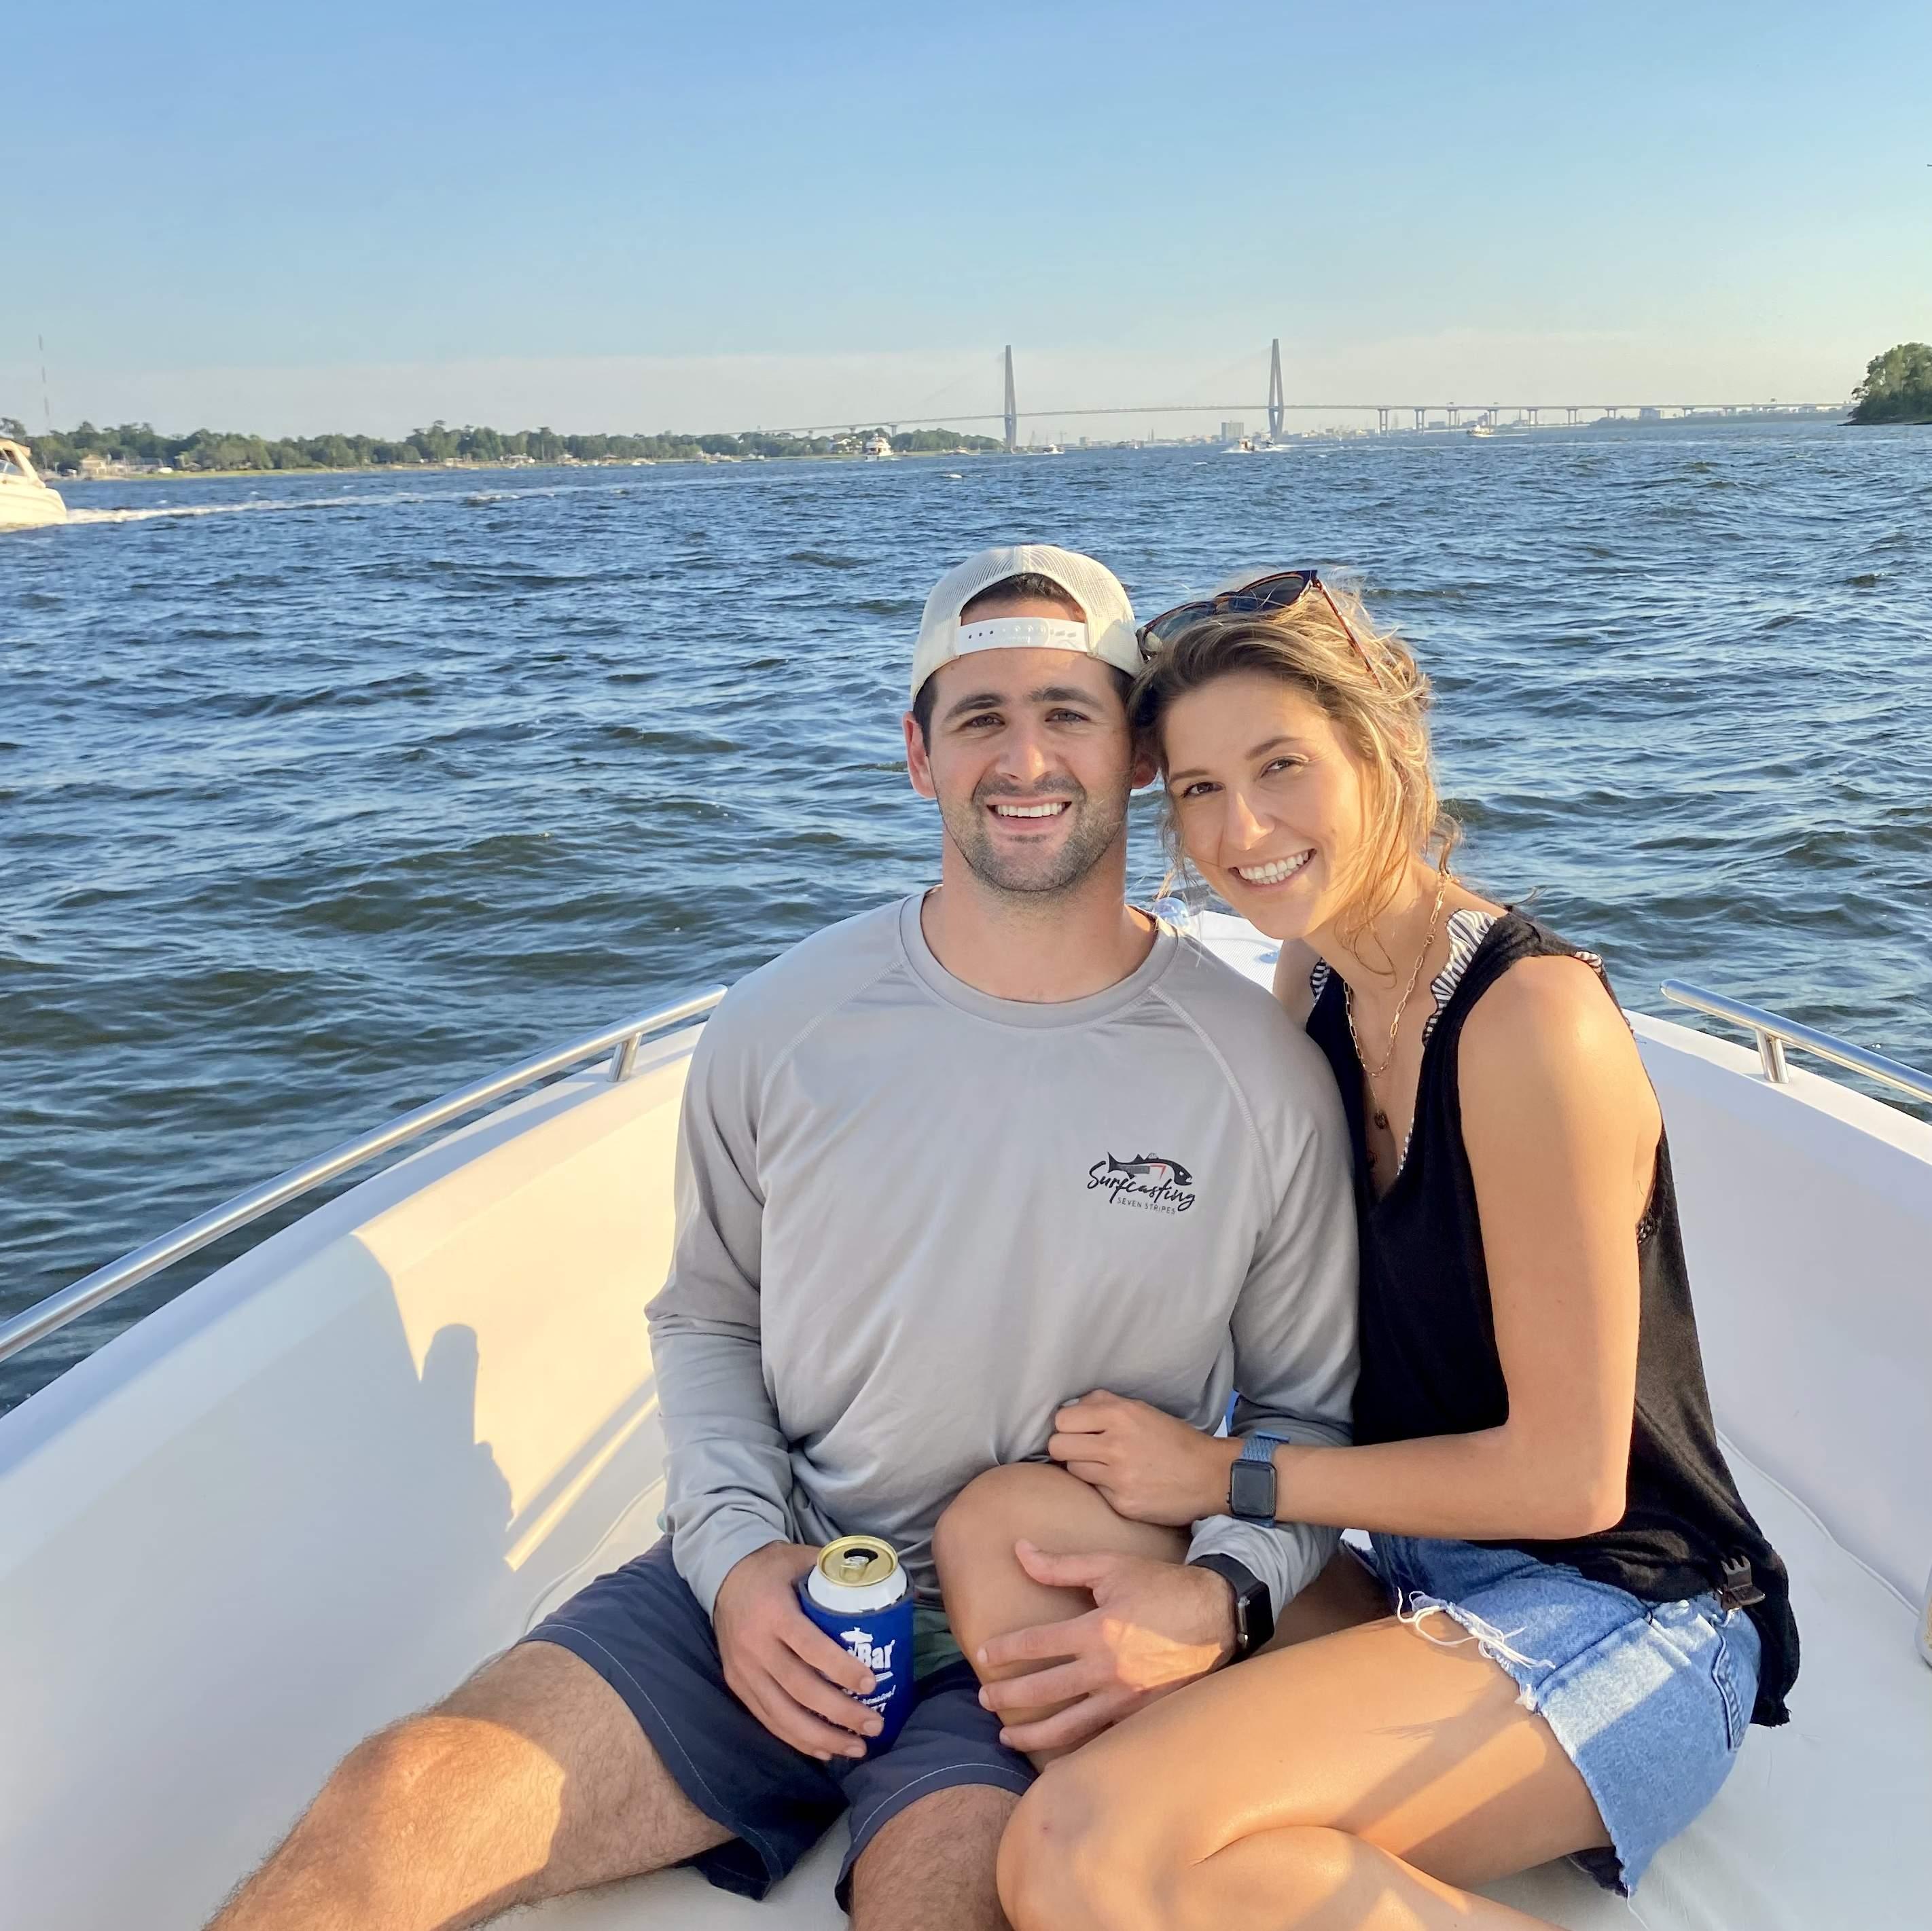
(942, 1168)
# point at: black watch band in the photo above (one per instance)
(1254, 1608)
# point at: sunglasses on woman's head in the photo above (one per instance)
(1265, 596)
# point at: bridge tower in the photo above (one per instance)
(1276, 409)
(1012, 408)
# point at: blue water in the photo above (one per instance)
(319, 798)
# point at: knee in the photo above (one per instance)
(390, 1781)
(1326, 1877)
(993, 1510)
(1077, 1857)
(1072, 1861)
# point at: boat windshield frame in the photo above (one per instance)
(13, 457)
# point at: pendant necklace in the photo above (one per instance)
(1379, 1112)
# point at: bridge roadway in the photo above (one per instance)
(1452, 410)
(1456, 415)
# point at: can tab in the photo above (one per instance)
(1736, 1588)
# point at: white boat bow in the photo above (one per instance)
(25, 502)
(320, 1487)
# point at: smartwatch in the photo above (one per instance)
(1251, 1481)
(1254, 1608)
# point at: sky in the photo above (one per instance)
(641, 216)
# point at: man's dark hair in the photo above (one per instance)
(1028, 583)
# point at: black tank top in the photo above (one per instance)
(1429, 1360)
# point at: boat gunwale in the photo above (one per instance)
(1773, 1032)
(68, 1304)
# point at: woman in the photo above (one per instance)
(1568, 1615)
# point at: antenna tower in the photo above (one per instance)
(1276, 411)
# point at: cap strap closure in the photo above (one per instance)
(1024, 634)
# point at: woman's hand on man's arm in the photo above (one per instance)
(1149, 1467)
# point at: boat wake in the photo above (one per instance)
(474, 499)
(212, 509)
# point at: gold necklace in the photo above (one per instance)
(1375, 1073)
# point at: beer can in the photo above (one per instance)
(857, 1593)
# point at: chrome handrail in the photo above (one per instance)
(1774, 1034)
(621, 1041)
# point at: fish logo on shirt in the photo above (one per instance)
(1148, 1180)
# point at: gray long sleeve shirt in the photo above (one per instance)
(913, 1220)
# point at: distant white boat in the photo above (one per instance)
(25, 502)
(879, 447)
(1480, 428)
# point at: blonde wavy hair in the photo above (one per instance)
(1382, 714)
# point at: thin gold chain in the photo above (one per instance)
(1375, 1073)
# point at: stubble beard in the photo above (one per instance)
(1041, 876)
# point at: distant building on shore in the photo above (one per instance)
(99, 468)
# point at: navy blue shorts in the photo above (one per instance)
(647, 1636)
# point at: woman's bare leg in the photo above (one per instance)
(1362, 1780)
(988, 1593)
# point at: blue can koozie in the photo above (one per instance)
(857, 1594)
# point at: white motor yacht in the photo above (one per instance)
(319, 1487)
(25, 502)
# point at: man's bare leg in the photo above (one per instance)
(932, 1868)
(532, 1779)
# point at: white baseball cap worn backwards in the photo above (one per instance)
(1107, 633)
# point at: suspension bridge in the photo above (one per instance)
(1391, 417)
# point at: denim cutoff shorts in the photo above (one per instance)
(1650, 1701)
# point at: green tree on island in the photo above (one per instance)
(62, 451)
(1897, 387)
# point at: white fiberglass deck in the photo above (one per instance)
(318, 1488)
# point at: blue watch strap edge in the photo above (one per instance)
(1257, 1453)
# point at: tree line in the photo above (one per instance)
(1897, 387)
(61, 451)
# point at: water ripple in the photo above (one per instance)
(318, 804)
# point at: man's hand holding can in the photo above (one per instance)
(794, 1678)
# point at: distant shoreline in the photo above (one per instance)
(391, 471)
(91, 452)
(484, 466)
